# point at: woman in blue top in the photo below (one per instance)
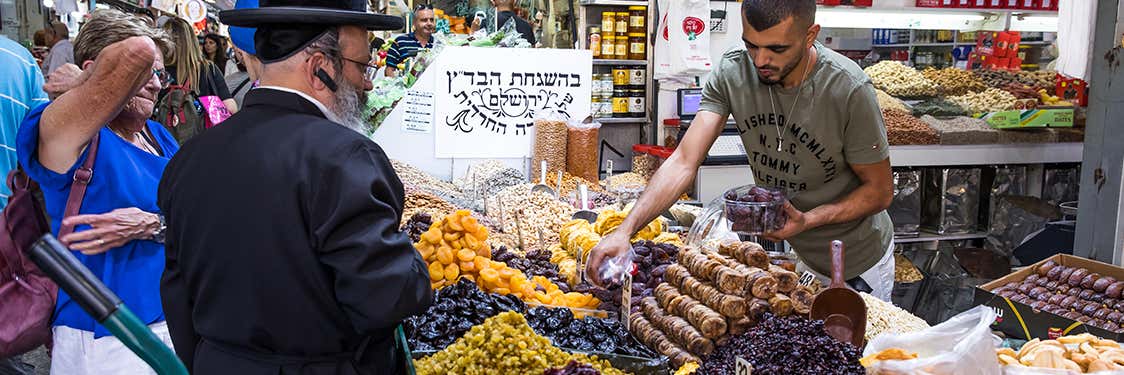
(117, 230)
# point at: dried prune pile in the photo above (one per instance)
(588, 334)
(756, 210)
(573, 368)
(455, 310)
(651, 261)
(535, 263)
(418, 224)
(790, 345)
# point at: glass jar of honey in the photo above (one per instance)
(637, 15)
(620, 26)
(608, 46)
(637, 46)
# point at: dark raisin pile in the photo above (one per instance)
(418, 224)
(458, 307)
(455, 310)
(588, 334)
(536, 263)
(781, 346)
(573, 368)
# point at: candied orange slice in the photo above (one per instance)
(466, 266)
(482, 263)
(489, 275)
(445, 255)
(466, 255)
(451, 272)
(436, 271)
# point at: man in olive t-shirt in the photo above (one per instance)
(811, 125)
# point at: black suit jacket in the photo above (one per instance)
(283, 249)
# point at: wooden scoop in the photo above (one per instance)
(842, 309)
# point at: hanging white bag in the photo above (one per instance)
(689, 37)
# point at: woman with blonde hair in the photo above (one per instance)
(191, 69)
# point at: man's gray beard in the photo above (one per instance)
(351, 108)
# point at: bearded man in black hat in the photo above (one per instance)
(283, 249)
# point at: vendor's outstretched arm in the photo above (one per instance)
(670, 181)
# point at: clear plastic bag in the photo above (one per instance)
(550, 142)
(581, 149)
(963, 345)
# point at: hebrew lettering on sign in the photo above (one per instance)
(489, 110)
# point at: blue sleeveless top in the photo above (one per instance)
(124, 176)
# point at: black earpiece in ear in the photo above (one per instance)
(324, 77)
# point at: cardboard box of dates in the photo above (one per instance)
(1061, 295)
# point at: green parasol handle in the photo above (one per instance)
(140, 339)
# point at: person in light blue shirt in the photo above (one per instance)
(21, 89)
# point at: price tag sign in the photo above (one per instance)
(807, 278)
(581, 264)
(626, 300)
(742, 367)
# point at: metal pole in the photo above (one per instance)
(1100, 218)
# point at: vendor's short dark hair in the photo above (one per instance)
(764, 14)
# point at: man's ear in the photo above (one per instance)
(813, 33)
(87, 64)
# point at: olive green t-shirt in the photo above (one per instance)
(835, 123)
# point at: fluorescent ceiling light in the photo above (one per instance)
(869, 18)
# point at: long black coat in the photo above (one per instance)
(283, 249)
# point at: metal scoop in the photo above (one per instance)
(542, 186)
(585, 213)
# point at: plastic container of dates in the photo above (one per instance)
(754, 210)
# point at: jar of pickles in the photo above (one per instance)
(637, 14)
(637, 46)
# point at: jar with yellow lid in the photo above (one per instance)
(637, 14)
(621, 48)
(621, 76)
(620, 26)
(620, 103)
(608, 22)
(608, 46)
(637, 46)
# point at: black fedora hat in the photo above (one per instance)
(310, 12)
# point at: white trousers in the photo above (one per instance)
(880, 277)
(76, 352)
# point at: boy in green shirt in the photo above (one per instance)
(811, 125)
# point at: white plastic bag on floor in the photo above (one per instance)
(963, 345)
(688, 25)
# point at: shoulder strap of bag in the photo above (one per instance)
(240, 86)
(82, 177)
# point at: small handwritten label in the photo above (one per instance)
(419, 108)
(626, 300)
(742, 367)
(807, 278)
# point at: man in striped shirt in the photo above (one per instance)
(408, 45)
(20, 90)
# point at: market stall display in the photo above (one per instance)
(962, 130)
(904, 129)
(503, 344)
(785, 345)
(1084, 353)
(883, 317)
(954, 81)
(420, 202)
(900, 80)
(989, 100)
(1072, 292)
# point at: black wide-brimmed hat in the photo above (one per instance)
(285, 27)
(317, 12)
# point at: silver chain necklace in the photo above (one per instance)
(788, 118)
